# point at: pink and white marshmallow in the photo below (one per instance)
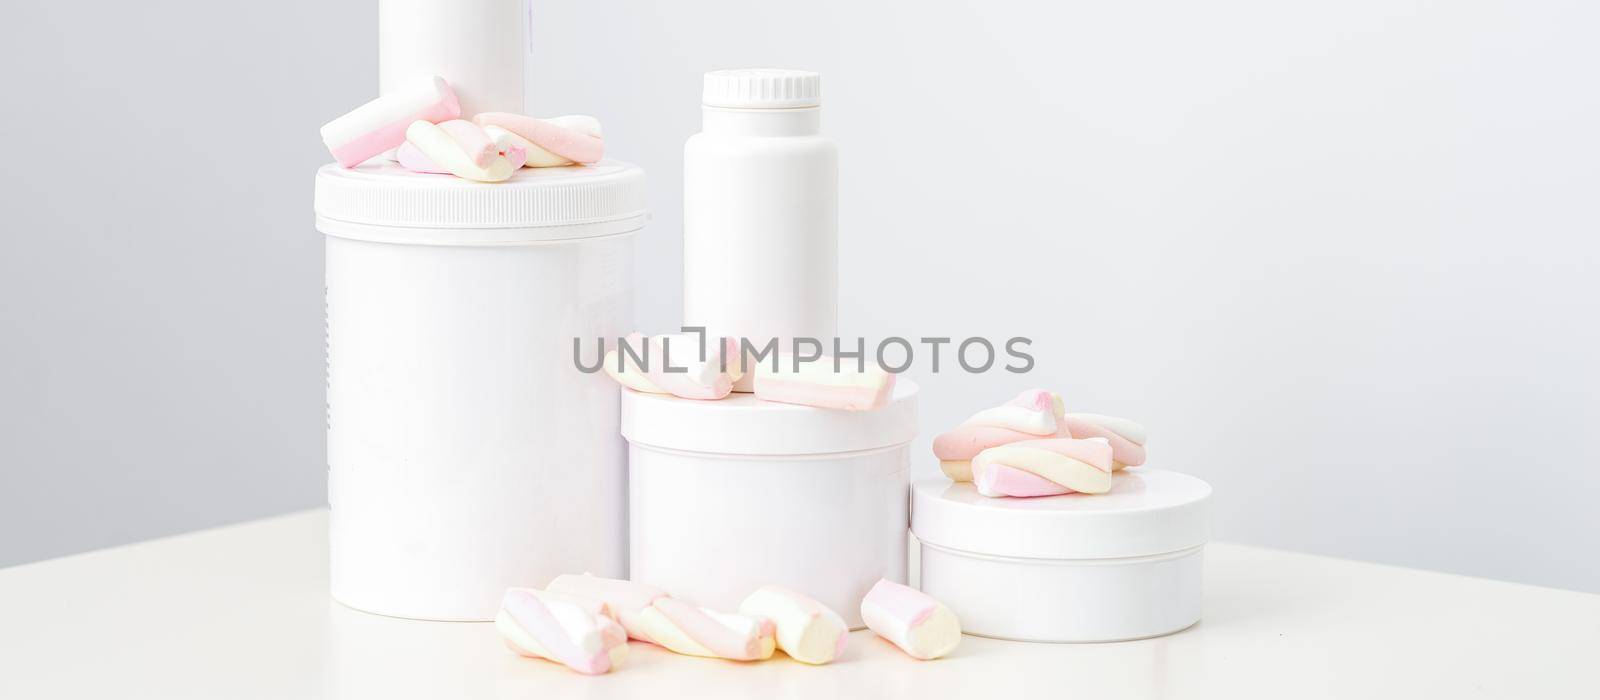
(551, 142)
(575, 632)
(625, 599)
(912, 620)
(672, 364)
(381, 124)
(804, 629)
(504, 143)
(851, 387)
(695, 631)
(1048, 467)
(1126, 437)
(1032, 414)
(457, 147)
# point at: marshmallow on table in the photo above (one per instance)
(1033, 414)
(912, 620)
(695, 631)
(550, 142)
(1126, 437)
(852, 388)
(624, 599)
(804, 629)
(1044, 468)
(436, 143)
(381, 124)
(671, 364)
(575, 632)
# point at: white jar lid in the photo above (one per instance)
(744, 425)
(762, 88)
(381, 201)
(1147, 512)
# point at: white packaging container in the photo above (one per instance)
(466, 453)
(478, 46)
(727, 496)
(760, 211)
(1074, 568)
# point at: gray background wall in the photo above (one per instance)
(1340, 257)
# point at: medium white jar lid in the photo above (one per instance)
(1147, 512)
(381, 201)
(744, 425)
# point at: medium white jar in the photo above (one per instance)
(1074, 568)
(760, 211)
(466, 452)
(727, 496)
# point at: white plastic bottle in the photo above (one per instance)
(760, 211)
(476, 45)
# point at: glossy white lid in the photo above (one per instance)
(762, 88)
(381, 201)
(1147, 511)
(742, 424)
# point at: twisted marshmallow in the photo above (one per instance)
(704, 379)
(1033, 414)
(1126, 437)
(480, 144)
(1044, 468)
(625, 599)
(571, 631)
(695, 631)
(804, 629)
(559, 141)
(854, 387)
(459, 154)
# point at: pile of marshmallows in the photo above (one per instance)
(423, 125)
(673, 364)
(584, 622)
(1030, 446)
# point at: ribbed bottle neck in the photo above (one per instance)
(801, 121)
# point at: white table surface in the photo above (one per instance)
(243, 612)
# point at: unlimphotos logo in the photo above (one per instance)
(895, 354)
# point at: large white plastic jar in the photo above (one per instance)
(760, 210)
(728, 496)
(466, 452)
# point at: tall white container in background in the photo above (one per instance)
(760, 210)
(466, 452)
(476, 45)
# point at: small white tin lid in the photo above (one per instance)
(744, 425)
(382, 201)
(1147, 512)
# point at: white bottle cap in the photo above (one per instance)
(762, 88)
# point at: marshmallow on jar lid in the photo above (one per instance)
(851, 387)
(921, 626)
(538, 157)
(1032, 414)
(804, 629)
(695, 631)
(448, 152)
(1126, 437)
(625, 599)
(552, 142)
(383, 123)
(671, 364)
(1048, 467)
(503, 143)
(577, 633)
